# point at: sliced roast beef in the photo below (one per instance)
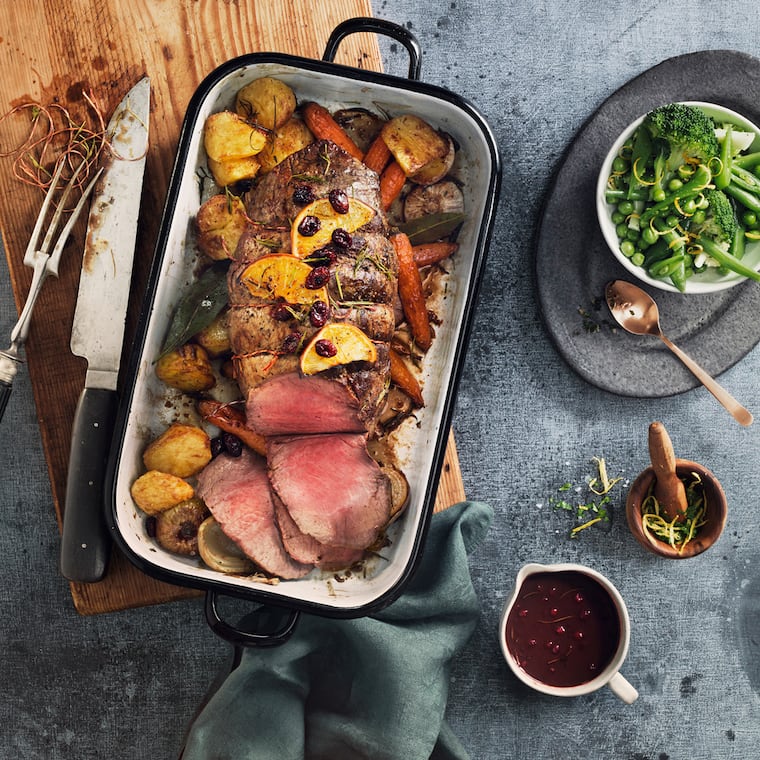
(307, 549)
(238, 495)
(295, 404)
(333, 490)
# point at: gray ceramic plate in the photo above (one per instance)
(573, 263)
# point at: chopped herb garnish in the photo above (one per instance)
(587, 510)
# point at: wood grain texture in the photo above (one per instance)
(108, 45)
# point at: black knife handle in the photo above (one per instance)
(86, 544)
(5, 394)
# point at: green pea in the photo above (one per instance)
(699, 216)
(621, 230)
(632, 234)
(637, 259)
(625, 207)
(749, 219)
(619, 165)
(703, 203)
(689, 206)
(627, 248)
(649, 236)
(675, 184)
(672, 220)
(617, 217)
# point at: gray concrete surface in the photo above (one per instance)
(125, 685)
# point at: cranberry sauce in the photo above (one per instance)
(563, 628)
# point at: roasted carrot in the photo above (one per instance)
(391, 181)
(231, 420)
(324, 127)
(431, 253)
(411, 293)
(403, 378)
(377, 155)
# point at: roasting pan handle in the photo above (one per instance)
(275, 625)
(379, 26)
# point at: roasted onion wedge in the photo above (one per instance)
(220, 552)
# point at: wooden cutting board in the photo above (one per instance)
(51, 51)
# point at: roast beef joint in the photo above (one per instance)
(320, 315)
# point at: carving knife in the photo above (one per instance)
(98, 333)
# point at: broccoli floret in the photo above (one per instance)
(719, 226)
(686, 134)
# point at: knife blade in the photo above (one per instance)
(98, 333)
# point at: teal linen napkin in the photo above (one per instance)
(372, 688)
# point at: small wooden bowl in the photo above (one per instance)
(717, 509)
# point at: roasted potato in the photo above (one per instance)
(290, 137)
(181, 450)
(413, 142)
(215, 338)
(266, 102)
(435, 170)
(220, 222)
(186, 368)
(230, 171)
(177, 528)
(227, 136)
(156, 491)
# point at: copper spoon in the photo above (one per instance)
(669, 489)
(636, 312)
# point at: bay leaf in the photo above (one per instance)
(198, 307)
(432, 227)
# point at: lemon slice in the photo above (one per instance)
(336, 343)
(281, 275)
(328, 219)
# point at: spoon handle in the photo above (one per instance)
(734, 408)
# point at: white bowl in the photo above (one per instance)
(709, 281)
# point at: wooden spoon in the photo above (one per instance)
(668, 488)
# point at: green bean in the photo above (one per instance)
(723, 177)
(748, 160)
(752, 202)
(663, 268)
(728, 261)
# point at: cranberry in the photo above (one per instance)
(232, 444)
(281, 312)
(317, 277)
(578, 635)
(531, 642)
(555, 649)
(326, 255)
(302, 195)
(554, 612)
(217, 447)
(578, 597)
(325, 348)
(319, 313)
(585, 614)
(338, 200)
(291, 343)
(310, 225)
(523, 613)
(549, 645)
(341, 238)
(560, 629)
